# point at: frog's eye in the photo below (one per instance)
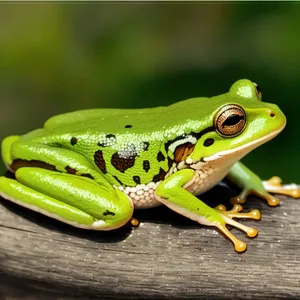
(230, 120)
(258, 91)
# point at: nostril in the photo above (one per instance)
(272, 114)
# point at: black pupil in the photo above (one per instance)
(232, 120)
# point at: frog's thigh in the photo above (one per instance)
(75, 200)
(19, 154)
(6, 149)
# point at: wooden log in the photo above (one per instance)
(166, 257)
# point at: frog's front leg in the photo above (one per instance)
(172, 192)
(250, 183)
(75, 200)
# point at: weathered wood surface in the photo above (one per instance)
(166, 257)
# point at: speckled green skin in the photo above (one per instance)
(95, 151)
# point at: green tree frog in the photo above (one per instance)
(91, 168)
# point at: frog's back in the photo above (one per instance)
(125, 120)
(129, 146)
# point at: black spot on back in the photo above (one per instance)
(99, 161)
(87, 175)
(108, 136)
(73, 141)
(160, 156)
(122, 163)
(136, 179)
(128, 126)
(146, 146)
(20, 163)
(146, 165)
(70, 170)
(160, 176)
(108, 213)
(120, 182)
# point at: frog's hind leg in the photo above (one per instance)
(75, 200)
(6, 149)
(274, 185)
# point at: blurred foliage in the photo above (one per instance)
(59, 57)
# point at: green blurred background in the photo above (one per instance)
(59, 57)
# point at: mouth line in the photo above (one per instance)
(240, 148)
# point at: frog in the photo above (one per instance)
(92, 168)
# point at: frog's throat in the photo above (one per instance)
(238, 152)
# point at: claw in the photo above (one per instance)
(274, 185)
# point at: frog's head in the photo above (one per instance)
(239, 122)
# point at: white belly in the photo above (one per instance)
(205, 179)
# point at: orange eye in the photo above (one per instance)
(230, 120)
(258, 91)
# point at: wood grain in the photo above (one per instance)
(167, 257)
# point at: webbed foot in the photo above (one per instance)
(274, 185)
(250, 183)
(246, 191)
